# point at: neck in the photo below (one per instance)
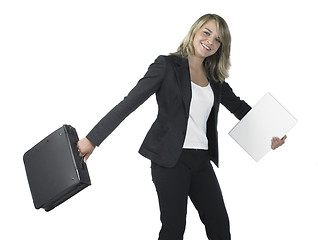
(195, 62)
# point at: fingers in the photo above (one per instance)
(80, 152)
(85, 148)
(274, 143)
(83, 155)
(277, 142)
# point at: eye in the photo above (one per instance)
(207, 33)
(218, 40)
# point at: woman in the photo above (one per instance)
(189, 86)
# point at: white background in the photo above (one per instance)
(72, 61)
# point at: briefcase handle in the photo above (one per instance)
(71, 130)
(83, 164)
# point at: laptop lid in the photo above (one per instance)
(267, 119)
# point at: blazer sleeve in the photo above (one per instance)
(233, 103)
(145, 87)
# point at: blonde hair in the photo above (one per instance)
(216, 66)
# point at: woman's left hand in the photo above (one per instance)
(277, 142)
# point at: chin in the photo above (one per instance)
(206, 55)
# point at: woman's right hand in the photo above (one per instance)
(85, 148)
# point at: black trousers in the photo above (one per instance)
(193, 177)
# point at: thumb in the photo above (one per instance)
(86, 157)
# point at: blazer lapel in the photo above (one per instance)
(216, 91)
(184, 81)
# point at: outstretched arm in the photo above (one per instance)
(145, 87)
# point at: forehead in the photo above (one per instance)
(212, 26)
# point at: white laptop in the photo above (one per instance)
(267, 119)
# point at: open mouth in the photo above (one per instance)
(205, 47)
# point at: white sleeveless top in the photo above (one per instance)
(200, 107)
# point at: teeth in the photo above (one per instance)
(205, 46)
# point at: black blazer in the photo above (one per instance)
(169, 78)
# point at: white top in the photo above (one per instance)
(200, 107)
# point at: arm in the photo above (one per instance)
(232, 102)
(145, 87)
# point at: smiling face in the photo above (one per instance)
(207, 41)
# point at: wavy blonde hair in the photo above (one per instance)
(216, 66)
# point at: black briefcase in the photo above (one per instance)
(54, 169)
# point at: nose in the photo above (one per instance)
(211, 40)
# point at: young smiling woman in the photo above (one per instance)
(206, 42)
(189, 86)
